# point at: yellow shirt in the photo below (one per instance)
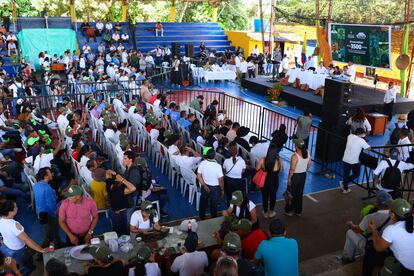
(99, 194)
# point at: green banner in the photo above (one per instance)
(55, 41)
(366, 45)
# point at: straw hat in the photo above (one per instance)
(402, 62)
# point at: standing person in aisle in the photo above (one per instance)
(233, 168)
(272, 165)
(15, 240)
(210, 177)
(299, 165)
(354, 145)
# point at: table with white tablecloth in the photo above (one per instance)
(199, 72)
(314, 80)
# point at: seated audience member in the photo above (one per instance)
(232, 249)
(91, 34)
(250, 239)
(279, 254)
(104, 264)
(241, 208)
(84, 27)
(398, 237)
(125, 38)
(108, 26)
(188, 158)
(404, 140)
(116, 37)
(357, 235)
(145, 220)
(390, 170)
(191, 262)
(232, 133)
(144, 263)
(118, 26)
(159, 30)
(258, 150)
(99, 27)
(78, 216)
(54, 267)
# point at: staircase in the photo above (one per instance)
(183, 33)
(94, 45)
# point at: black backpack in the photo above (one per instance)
(392, 176)
(395, 135)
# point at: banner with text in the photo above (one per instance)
(366, 45)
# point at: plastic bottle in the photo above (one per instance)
(189, 226)
(52, 249)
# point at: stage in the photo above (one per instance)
(364, 97)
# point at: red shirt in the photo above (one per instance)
(251, 242)
(158, 26)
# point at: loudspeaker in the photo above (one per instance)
(331, 140)
(189, 50)
(176, 49)
(334, 100)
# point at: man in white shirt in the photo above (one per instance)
(354, 146)
(285, 64)
(258, 150)
(390, 98)
(192, 262)
(404, 140)
(321, 69)
(86, 49)
(210, 177)
(255, 50)
(351, 72)
(308, 63)
(184, 160)
(125, 37)
(355, 236)
(61, 120)
(116, 37)
(108, 26)
(149, 60)
(99, 28)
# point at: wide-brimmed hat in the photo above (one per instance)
(74, 190)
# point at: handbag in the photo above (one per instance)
(259, 178)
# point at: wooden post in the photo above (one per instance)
(72, 10)
(172, 11)
(404, 48)
(262, 24)
(272, 23)
(214, 12)
(124, 10)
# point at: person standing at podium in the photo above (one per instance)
(390, 98)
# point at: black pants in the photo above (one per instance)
(251, 73)
(388, 110)
(212, 197)
(231, 185)
(269, 191)
(372, 258)
(348, 176)
(298, 184)
(51, 232)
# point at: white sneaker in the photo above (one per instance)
(346, 191)
(341, 184)
(265, 214)
(272, 214)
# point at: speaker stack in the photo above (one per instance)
(189, 50)
(176, 49)
(330, 143)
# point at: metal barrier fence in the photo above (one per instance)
(326, 147)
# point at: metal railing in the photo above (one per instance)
(325, 147)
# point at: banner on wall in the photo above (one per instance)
(366, 45)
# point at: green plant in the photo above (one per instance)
(273, 94)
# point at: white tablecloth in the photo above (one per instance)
(307, 77)
(222, 75)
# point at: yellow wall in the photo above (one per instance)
(241, 39)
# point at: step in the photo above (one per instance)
(182, 37)
(196, 43)
(177, 23)
(180, 33)
(182, 49)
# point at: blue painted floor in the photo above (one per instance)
(179, 207)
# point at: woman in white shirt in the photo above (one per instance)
(144, 220)
(233, 169)
(15, 239)
(359, 121)
(299, 165)
(242, 207)
(399, 236)
(146, 264)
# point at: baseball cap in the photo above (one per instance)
(232, 243)
(243, 224)
(400, 207)
(123, 143)
(383, 197)
(62, 109)
(100, 252)
(19, 101)
(206, 150)
(32, 140)
(69, 131)
(146, 206)
(144, 253)
(236, 197)
(299, 142)
(133, 102)
(74, 190)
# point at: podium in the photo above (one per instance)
(378, 123)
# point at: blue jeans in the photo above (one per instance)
(119, 221)
(25, 263)
(348, 176)
(212, 197)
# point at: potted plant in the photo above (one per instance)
(273, 94)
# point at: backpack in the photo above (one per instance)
(146, 178)
(392, 176)
(395, 135)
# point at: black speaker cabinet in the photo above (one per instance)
(189, 50)
(335, 99)
(176, 49)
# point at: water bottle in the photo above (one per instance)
(68, 261)
(52, 250)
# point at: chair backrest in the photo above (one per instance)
(32, 180)
(244, 153)
(188, 175)
(220, 158)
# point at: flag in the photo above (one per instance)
(303, 55)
